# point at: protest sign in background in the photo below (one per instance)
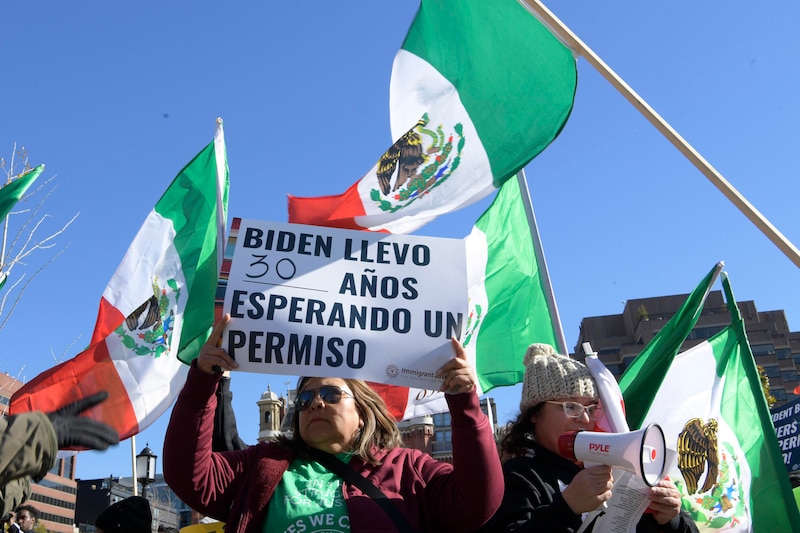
(787, 428)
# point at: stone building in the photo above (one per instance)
(618, 339)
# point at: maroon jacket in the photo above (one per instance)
(236, 486)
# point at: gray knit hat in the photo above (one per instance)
(549, 376)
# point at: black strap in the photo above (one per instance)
(332, 463)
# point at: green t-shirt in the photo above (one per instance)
(308, 499)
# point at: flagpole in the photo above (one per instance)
(133, 465)
(540, 261)
(220, 155)
(571, 40)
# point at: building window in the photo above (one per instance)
(783, 353)
(441, 420)
(779, 394)
(772, 371)
(762, 349)
(789, 375)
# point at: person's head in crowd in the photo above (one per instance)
(131, 515)
(558, 395)
(338, 415)
(26, 517)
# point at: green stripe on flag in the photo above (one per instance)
(517, 312)
(512, 75)
(647, 371)
(191, 204)
(745, 409)
(11, 193)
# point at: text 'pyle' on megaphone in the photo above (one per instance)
(642, 452)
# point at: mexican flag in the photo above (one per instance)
(510, 302)
(157, 309)
(12, 192)
(638, 377)
(710, 404)
(478, 89)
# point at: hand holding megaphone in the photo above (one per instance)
(589, 489)
(642, 452)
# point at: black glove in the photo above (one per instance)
(74, 430)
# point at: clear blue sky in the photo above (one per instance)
(116, 97)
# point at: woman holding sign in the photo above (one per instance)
(343, 468)
(547, 492)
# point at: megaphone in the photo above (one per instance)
(642, 452)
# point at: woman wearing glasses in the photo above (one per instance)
(543, 490)
(284, 487)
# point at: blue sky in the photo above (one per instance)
(115, 98)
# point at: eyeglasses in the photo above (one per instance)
(576, 410)
(330, 394)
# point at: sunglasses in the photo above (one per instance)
(329, 394)
(576, 410)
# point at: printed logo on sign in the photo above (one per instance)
(719, 503)
(148, 329)
(417, 169)
(392, 371)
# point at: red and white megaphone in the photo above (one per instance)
(642, 452)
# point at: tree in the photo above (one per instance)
(22, 239)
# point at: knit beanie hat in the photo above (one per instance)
(131, 515)
(549, 375)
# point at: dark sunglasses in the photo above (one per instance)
(330, 394)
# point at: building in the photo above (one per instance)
(55, 495)
(618, 339)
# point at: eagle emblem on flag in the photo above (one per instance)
(698, 453)
(420, 160)
(148, 329)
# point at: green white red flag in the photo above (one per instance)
(710, 404)
(478, 89)
(156, 311)
(12, 192)
(510, 303)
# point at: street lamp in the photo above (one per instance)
(146, 468)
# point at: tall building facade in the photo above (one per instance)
(618, 339)
(55, 495)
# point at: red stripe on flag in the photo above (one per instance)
(337, 211)
(396, 398)
(88, 372)
(108, 319)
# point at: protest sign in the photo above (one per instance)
(786, 420)
(317, 301)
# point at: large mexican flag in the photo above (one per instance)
(710, 404)
(156, 311)
(478, 89)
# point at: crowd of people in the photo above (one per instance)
(343, 467)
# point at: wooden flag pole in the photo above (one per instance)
(571, 40)
(542, 264)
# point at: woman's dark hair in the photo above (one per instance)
(379, 429)
(520, 434)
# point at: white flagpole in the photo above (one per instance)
(579, 47)
(133, 465)
(537, 246)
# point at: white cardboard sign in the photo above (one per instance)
(328, 302)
